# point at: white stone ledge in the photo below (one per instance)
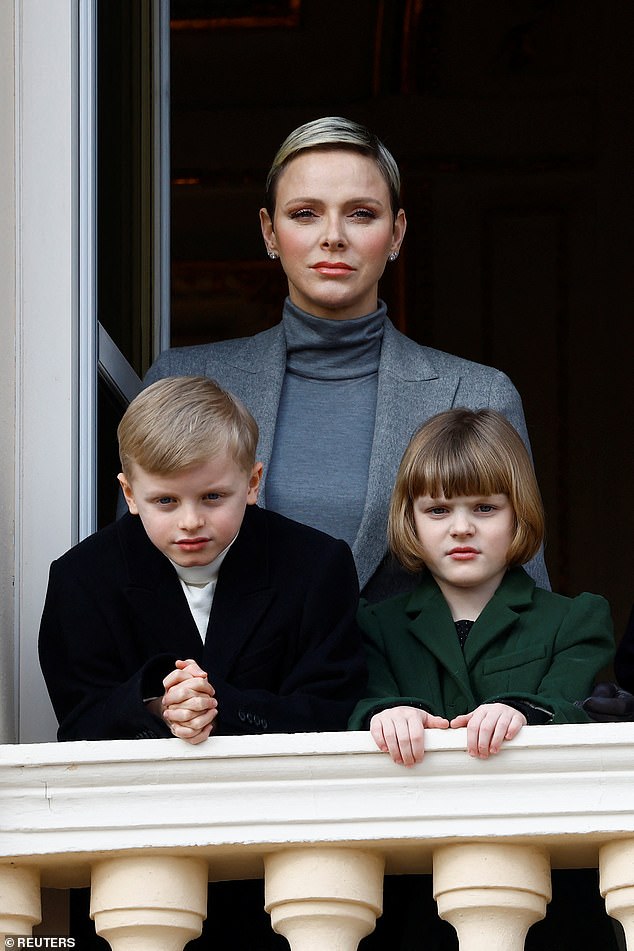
(234, 799)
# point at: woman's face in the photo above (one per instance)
(333, 230)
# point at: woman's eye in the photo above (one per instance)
(303, 213)
(363, 213)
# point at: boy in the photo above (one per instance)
(198, 612)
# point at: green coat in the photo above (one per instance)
(527, 645)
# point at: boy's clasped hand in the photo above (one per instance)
(188, 705)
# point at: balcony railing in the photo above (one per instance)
(322, 817)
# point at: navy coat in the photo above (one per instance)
(283, 650)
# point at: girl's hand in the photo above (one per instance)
(400, 732)
(488, 726)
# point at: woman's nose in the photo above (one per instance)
(333, 236)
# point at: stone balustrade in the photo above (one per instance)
(146, 823)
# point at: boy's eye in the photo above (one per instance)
(165, 500)
(211, 497)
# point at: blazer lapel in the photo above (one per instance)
(155, 594)
(243, 593)
(410, 390)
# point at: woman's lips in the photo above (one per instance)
(332, 268)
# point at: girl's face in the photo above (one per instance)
(333, 230)
(465, 540)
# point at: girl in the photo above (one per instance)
(476, 645)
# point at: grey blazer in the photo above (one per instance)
(414, 383)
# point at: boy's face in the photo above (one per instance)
(465, 540)
(192, 515)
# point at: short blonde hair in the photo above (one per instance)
(334, 132)
(182, 421)
(466, 452)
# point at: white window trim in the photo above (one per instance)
(48, 462)
(53, 47)
(8, 708)
(87, 261)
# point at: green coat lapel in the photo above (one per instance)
(432, 625)
(513, 596)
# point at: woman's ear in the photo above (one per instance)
(267, 232)
(400, 227)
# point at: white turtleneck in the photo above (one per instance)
(199, 585)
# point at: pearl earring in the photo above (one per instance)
(393, 256)
(273, 255)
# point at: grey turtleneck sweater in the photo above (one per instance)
(318, 472)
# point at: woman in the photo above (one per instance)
(336, 390)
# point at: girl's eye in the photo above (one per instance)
(485, 508)
(437, 510)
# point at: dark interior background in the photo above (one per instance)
(512, 124)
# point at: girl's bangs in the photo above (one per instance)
(448, 474)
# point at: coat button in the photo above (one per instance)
(241, 716)
(249, 718)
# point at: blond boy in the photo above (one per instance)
(198, 612)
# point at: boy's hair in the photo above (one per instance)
(334, 132)
(182, 421)
(462, 452)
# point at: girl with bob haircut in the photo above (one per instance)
(452, 455)
(477, 644)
